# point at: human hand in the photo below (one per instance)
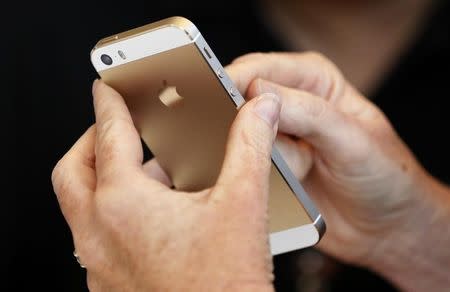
(133, 233)
(375, 197)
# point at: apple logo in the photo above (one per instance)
(169, 96)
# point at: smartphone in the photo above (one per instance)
(183, 104)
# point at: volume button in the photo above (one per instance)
(232, 91)
(220, 73)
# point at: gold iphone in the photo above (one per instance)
(183, 104)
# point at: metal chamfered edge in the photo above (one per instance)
(176, 21)
(277, 159)
(299, 191)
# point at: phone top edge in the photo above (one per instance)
(176, 21)
(144, 41)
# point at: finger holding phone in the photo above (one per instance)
(132, 232)
(383, 210)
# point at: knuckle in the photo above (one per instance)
(317, 57)
(113, 123)
(107, 148)
(317, 109)
(329, 67)
(56, 176)
(61, 180)
(321, 60)
(248, 57)
(108, 128)
(328, 82)
(67, 191)
(110, 137)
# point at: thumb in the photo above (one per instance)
(335, 135)
(247, 162)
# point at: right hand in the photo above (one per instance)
(133, 232)
(364, 180)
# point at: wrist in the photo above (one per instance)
(414, 256)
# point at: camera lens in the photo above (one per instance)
(107, 60)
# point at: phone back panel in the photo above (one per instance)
(189, 136)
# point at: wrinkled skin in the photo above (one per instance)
(134, 233)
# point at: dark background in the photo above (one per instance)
(46, 105)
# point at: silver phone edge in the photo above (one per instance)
(238, 100)
(195, 36)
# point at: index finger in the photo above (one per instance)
(310, 72)
(118, 147)
(306, 71)
(74, 179)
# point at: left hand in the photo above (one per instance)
(383, 210)
(134, 233)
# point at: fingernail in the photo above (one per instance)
(267, 107)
